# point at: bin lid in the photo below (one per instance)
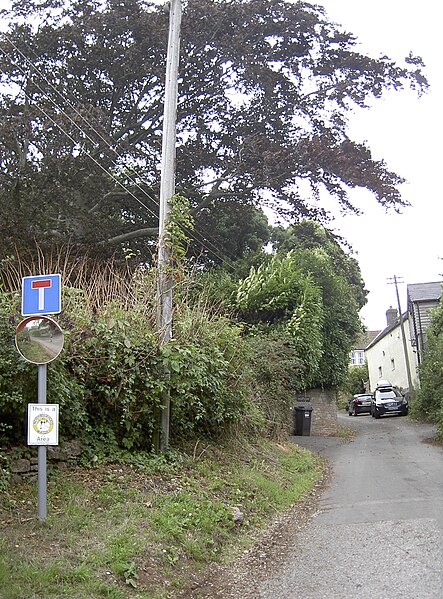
(303, 408)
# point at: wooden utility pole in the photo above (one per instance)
(403, 335)
(167, 190)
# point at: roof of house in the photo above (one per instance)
(387, 330)
(421, 292)
(365, 339)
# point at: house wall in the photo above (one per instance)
(386, 359)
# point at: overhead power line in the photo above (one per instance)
(202, 240)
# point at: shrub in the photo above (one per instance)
(109, 378)
(429, 399)
(275, 375)
(18, 379)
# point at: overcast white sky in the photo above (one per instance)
(407, 132)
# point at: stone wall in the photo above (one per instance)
(22, 461)
(324, 411)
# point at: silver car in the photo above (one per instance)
(387, 399)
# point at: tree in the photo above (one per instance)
(310, 235)
(355, 380)
(265, 88)
(282, 296)
(341, 323)
(235, 230)
(307, 255)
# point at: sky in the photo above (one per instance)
(407, 132)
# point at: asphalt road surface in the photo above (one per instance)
(378, 532)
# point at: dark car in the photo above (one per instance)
(387, 400)
(360, 404)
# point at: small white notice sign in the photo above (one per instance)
(43, 424)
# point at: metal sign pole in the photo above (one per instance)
(41, 455)
(39, 340)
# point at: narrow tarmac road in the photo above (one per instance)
(378, 532)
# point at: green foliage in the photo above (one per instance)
(302, 293)
(237, 232)
(18, 379)
(118, 370)
(206, 382)
(179, 227)
(282, 294)
(429, 400)
(298, 76)
(308, 234)
(355, 380)
(275, 374)
(225, 375)
(341, 323)
(109, 379)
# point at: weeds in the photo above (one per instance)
(127, 530)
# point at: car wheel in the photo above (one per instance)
(376, 415)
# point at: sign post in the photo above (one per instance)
(41, 295)
(41, 449)
(39, 340)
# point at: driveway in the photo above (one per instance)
(374, 533)
(378, 532)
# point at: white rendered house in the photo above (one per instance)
(389, 357)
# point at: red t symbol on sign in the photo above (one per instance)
(41, 285)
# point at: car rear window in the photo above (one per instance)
(389, 393)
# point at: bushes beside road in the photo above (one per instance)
(429, 401)
(109, 379)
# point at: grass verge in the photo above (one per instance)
(141, 527)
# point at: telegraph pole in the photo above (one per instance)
(167, 189)
(403, 335)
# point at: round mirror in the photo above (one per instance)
(39, 339)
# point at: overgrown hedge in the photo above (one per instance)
(429, 400)
(108, 379)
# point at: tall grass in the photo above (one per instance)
(100, 281)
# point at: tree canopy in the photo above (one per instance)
(264, 93)
(310, 235)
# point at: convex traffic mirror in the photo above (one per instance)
(39, 339)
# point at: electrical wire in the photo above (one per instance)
(214, 250)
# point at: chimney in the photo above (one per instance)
(391, 315)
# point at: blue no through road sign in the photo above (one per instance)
(41, 295)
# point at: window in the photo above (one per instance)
(360, 357)
(357, 357)
(380, 371)
(392, 363)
